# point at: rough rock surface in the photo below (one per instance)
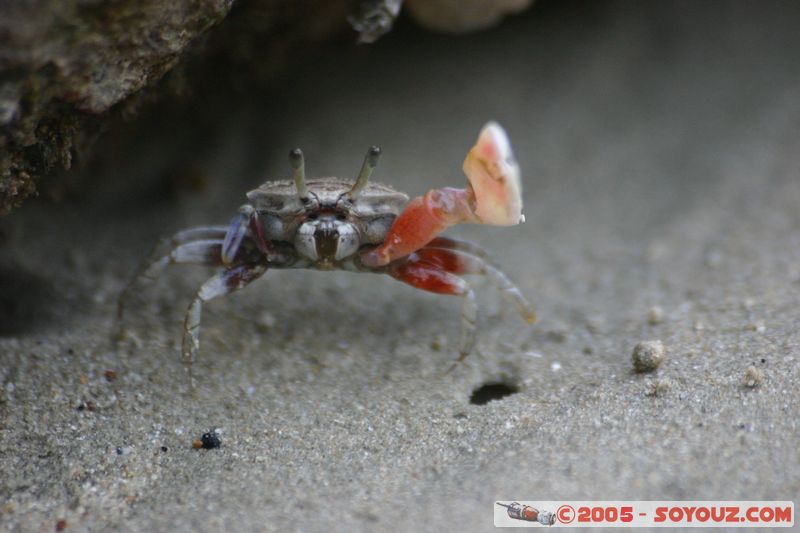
(65, 63)
(64, 60)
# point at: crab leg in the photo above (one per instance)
(432, 278)
(200, 233)
(493, 196)
(225, 282)
(461, 246)
(205, 252)
(200, 252)
(174, 243)
(459, 261)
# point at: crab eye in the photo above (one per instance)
(341, 216)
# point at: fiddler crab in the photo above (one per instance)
(358, 226)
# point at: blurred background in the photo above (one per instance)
(659, 147)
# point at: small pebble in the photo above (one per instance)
(655, 315)
(648, 355)
(61, 525)
(753, 377)
(208, 441)
(110, 375)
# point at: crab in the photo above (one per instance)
(358, 226)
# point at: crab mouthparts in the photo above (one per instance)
(326, 238)
(327, 241)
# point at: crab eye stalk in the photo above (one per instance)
(370, 162)
(298, 164)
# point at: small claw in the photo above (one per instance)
(494, 176)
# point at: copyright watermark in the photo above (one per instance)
(683, 514)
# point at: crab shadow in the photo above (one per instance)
(354, 311)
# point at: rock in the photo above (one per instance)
(648, 355)
(65, 63)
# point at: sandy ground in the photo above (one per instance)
(660, 145)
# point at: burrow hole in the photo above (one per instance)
(493, 390)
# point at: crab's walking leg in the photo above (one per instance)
(147, 269)
(462, 246)
(201, 252)
(201, 233)
(204, 252)
(225, 282)
(431, 278)
(493, 196)
(459, 260)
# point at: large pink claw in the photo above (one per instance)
(493, 174)
(493, 196)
